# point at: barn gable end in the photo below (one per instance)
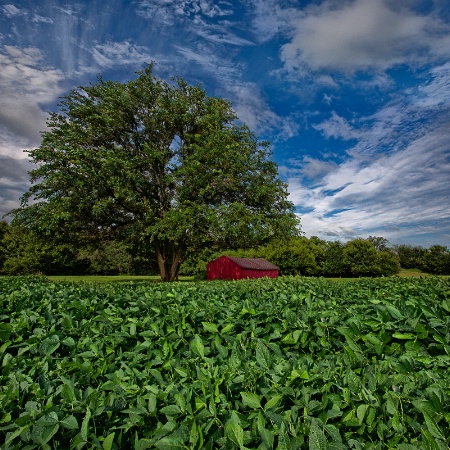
(232, 268)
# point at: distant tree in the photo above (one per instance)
(295, 256)
(162, 162)
(360, 258)
(4, 227)
(109, 258)
(411, 257)
(27, 253)
(196, 262)
(333, 261)
(318, 247)
(437, 260)
(387, 263)
(380, 243)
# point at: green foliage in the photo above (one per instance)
(25, 252)
(437, 260)
(161, 162)
(333, 259)
(3, 231)
(287, 363)
(387, 263)
(296, 256)
(109, 258)
(359, 257)
(380, 243)
(411, 257)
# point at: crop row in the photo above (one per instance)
(289, 363)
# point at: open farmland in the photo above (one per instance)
(286, 363)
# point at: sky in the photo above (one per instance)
(354, 95)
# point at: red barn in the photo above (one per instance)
(231, 268)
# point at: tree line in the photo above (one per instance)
(22, 252)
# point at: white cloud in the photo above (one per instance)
(437, 92)
(338, 128)
(14, 181)
(121, 53)
(41, 19)
(167, 12)
(247, 98)
(269, 18)
(405, 189)
(13, 11)
(25, 88)
(363, 34)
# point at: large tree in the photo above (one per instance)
(158, 160)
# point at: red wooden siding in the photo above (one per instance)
(231, 268)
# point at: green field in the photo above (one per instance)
(105, 279)
(290, 363)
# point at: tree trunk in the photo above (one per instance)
(169, 262)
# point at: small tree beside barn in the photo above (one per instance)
(231, 268)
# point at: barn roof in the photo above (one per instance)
(253, 263)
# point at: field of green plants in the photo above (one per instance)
(290, 363)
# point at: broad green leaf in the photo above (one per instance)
(70, 422)
(394, 312)
(336, 439)
(263, 357)
(151, 403)
(210, 327)
(170, 443)
(171, 410)
(317, 439)
(49, 345)
(273, 401)
(304, 375)
(197, 346)
(267, 437)
(69, 342)
(4, 347)
(283, 439)
(85, 425)
(227, 328)
(10, 437)
(361, 413)
(45, 428)
(404, 336)
(6, 417)
(108, 442)
(234, 431)
(433, 427)
(182, 372)
(251, 400)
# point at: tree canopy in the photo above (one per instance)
(161, 161)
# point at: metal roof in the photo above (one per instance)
(253, 263)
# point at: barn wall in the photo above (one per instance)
(251, 273)
(225, 269)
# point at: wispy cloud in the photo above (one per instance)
(270, 18)
(121, 53)
(247, 98)
(26, 88)
(12, 11)
(14, 181)
(337, 127)
(167, 12)
(388, 183)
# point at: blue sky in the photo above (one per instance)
(353, 94)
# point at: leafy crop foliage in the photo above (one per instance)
(287, 363)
